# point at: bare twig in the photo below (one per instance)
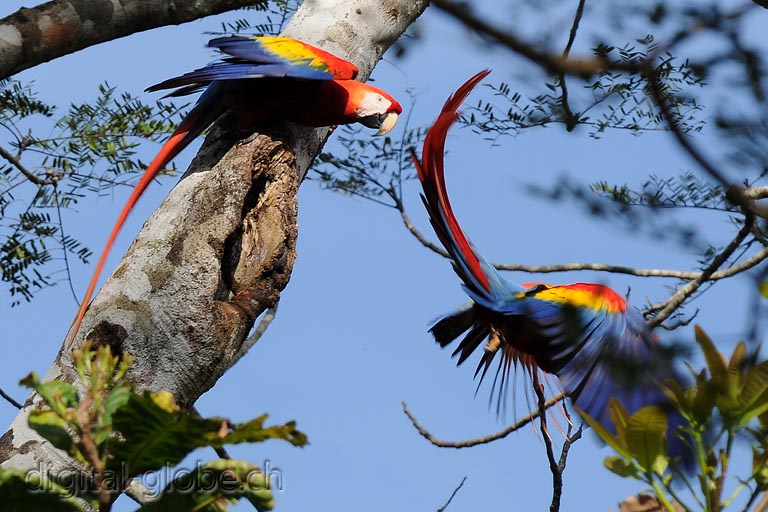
(10, 399)
(747, 264)
(554, 64)
(571, 120)
(63, 244)
(667, 307)
(468, 443)
(257, 333)
(554, 468)
(450, 498)
(416, 233)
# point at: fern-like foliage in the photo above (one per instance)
(684, 191)
(89, 150)
(607, 100)
(370, 168)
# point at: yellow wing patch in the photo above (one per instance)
(580, 295)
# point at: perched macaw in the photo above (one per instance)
(585, 334)
(261, 79)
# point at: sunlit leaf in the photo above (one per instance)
(602, 432)
(646, 436)
(52, 427)
(621, 467)
(715, 361)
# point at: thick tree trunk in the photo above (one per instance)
(219, 250)
(31, 36)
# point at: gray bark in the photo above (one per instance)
(31, 36)
(220, 248)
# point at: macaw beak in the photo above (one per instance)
(384, 122)
(387, 123)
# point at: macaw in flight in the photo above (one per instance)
(585, 334)
(260, 79)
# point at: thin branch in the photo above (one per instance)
(63, 244)
(12, 159)
(570, 438)
(557, 475)
(571, 120)
(416, 233)
(552, 63)
(10, 399)
(600, 267)
(670, 305)
(445, 506)
(257, 333)
(468, 443)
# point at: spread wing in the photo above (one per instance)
(261, 57)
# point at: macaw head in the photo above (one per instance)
(372, 107)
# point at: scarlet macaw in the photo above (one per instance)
(261, 79)
(585, 334)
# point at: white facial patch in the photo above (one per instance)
(373, 103)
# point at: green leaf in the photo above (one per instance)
(58, 395)
(622, 467)
(117, 398)
(212, 486)
(715, 362)
(611, 440)
(255, 432)
(152, 437)
(52, 427)
(754, 395)
(619, 416)
(646, 437)
(28, 491)
(155, 434)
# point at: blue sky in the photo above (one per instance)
(350, 341)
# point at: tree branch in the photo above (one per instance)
(257, 333)
(219, 250)
(468, 443)
(737, 268)
(13, 160)
(31, 36)
(10, 399)
(570, 119)
(453, 494)
(666, 308)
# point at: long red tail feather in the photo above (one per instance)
(196, 121)
(432, 175)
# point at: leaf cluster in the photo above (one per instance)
(117, 435)
(89, 150)
(611, 99)
(726, 402)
